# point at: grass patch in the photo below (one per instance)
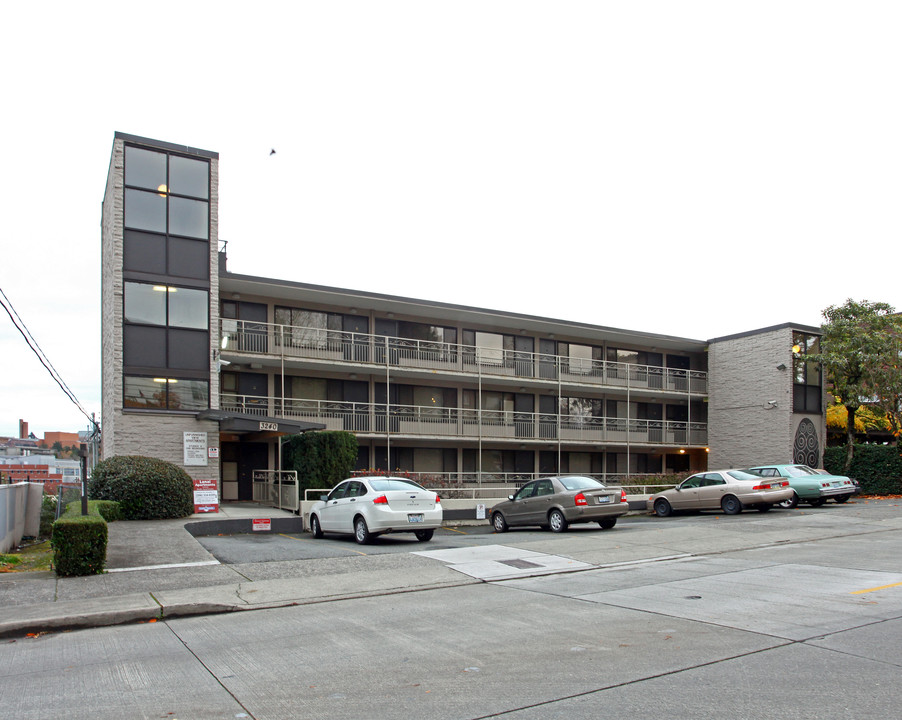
(33, 558)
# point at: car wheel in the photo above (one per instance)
(557, 521)
(607, 523)
(362, 533)
(842, 498)
(764, 508)
(817, 502)
(499, 523)
(731, 505)
(662, 508)
(424, 535)
(791, 503)
(315, 528)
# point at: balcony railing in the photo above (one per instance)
(429, 421)
(288, 341)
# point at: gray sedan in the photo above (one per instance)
(557, 502)
(727, 490)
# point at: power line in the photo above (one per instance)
(42, 357)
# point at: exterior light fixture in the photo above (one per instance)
(796, 349)
(224, 343)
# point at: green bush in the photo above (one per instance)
(321, 458)
(79, 541)
(48, 515)
(145, 488)
(877, 467)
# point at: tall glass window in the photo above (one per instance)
(807, 375)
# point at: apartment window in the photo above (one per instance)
(165, 393)
(429, 333)
(307, 328)
(167, 214)
(165, 327)
(807, 376)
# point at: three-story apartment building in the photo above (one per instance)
(195, 355)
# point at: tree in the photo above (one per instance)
(888, 378)
(858, 340)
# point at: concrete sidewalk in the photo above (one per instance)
(157, 569)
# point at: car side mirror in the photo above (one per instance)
(510, 497)
(677, 488)
(324, 497)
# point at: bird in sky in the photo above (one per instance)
(272, 152)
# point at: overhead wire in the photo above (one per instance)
(42, 357)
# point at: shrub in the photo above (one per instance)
(321, 458)
(877, 467)
(145, 488)
(48, 515)
(79, 541)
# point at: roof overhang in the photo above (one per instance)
(241, 423)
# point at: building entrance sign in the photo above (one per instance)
(195, 448)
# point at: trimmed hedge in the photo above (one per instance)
(877, 467)
(145, 488)
(321, 458)
(79, 541)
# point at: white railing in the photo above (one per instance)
(288, 341)
(278, 488)
(494, 485)
(429, 421)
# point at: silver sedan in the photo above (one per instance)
(726, 490)
(557, 502)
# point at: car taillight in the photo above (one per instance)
(580, 499)
(437, 500)
(784, 484)
(761, 487)
(622, 495)
(381, 500)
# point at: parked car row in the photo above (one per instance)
(759, 487)
(366, 507)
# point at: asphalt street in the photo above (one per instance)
(791, 614)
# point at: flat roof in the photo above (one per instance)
(250, 285)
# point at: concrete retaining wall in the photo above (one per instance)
(20, 513)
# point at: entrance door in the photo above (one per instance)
(251, 456)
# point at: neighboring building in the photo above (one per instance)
(65, 439)
(47, 469)
(766, 404)
(209, 368)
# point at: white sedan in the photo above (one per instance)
(369, 506)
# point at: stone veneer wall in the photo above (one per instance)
(152, 434)
(743, 429)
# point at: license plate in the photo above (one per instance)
(603, 499)
(415, 517)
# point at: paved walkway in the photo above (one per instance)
(157, 569)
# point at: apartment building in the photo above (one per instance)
(210, 368)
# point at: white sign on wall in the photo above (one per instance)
(195, 448)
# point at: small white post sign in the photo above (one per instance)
(480, 511)
(195, 448)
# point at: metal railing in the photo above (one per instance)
(288, 341)
(430, 421)
(478, 486)
(278, 488)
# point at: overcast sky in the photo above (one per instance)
(688, 168)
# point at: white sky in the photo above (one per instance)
(688, 168)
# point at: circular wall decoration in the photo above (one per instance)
(807, 450)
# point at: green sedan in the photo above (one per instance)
(808, 484)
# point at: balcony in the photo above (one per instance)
(412, 421)
(242, 340)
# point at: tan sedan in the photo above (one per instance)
(726, 490)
